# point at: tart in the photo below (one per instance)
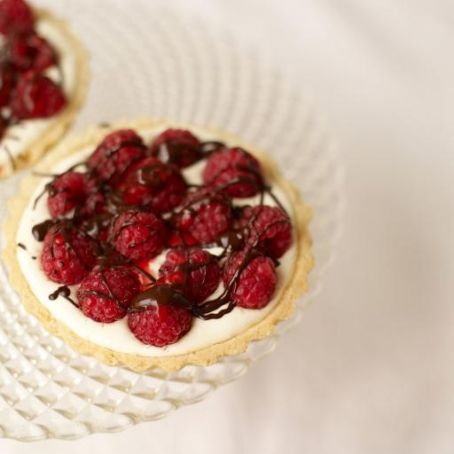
(151, 244)
(43, 79)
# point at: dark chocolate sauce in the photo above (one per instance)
(157, 295)
(24, 248)
(40, 230)
(65, 292)
(172, 153)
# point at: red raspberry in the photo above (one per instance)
(15, 17)
(205, 216)
(31, 52)
(66, 192)
(68, 254)
(95, 204)
(234, 170)
(6, 83)
(106, 293)
(93, 217)
(268, 228)
(138, 235)
(113, 156)
(159, 319)
(194, 270)
(36, 96)
(154, 184)
(176, 146)
(253, 279)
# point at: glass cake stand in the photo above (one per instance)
(180, 68)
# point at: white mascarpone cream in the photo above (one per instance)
(20, 137)
(117, 336)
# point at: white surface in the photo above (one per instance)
(370, 368)
(117, 336)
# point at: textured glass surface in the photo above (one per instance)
(179, 68)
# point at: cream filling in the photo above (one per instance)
(117, 336)
(20, 137)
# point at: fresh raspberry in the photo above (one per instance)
(36, 96)
(106, 293)
(159, 319)
(252, 279)
(68, 254)
(93, 217)
(6, 83)
(268, 228)
(176, 146)
(154, 184)
(15, 17)
(194, 270)
(234, 170)
(31, 52)
(66, 192)
(113, 156)
(206, 215)
(95, 204)
(138, 235)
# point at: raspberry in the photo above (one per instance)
(268, 228)
(15, 17)
(194, 270)
(234, 170)
(138, 235)
(154, 184)
(31, 52)
(6, 83)
(95, 204)
(206, 215)
(66, 192)
(158, 317)
(105, 293)
(36, 96)
(176, 146)
(115, 154)
(93, 216)
(68, 254)
(252, 279)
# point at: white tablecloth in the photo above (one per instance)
(371, 367)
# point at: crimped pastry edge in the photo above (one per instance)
(62, 122)
(295, 287)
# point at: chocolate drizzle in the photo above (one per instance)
(65, 292)
(157, 295)
(174, 153)
(40, 230)
(24, 248)
(235, 240)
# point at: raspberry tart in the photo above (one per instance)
(43, 79)
(158, 245)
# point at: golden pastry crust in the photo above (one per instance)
(60, 123)
(296, 286)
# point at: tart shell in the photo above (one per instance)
(61, 122)
(297, 282)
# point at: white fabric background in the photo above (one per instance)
(371, 367)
